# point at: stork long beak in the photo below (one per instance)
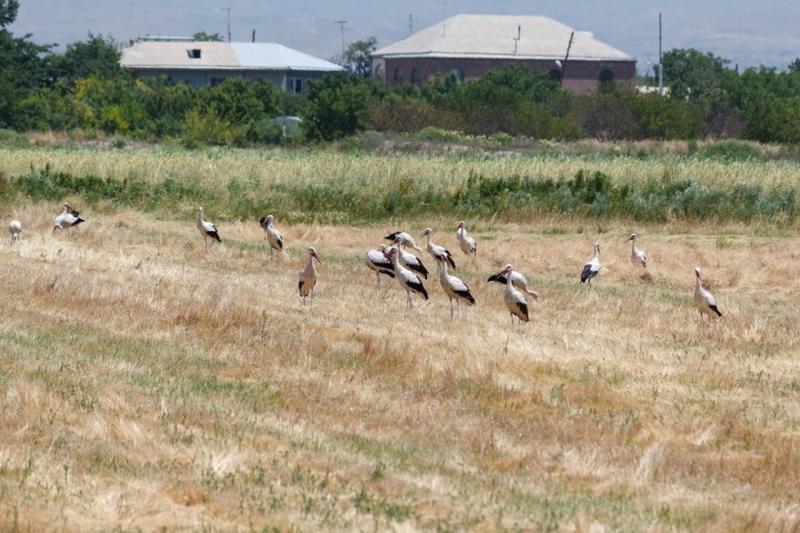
(316, 255)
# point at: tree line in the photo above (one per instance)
(84, 89)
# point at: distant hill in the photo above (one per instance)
(745, 32)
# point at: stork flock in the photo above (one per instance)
(395, 262)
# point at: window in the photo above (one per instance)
(398, 76)
(294, 85)
(459, 74)
(606, 75)
(415, 76)
(216, 81)
(379, 72)
(194, 53)
(554, 74)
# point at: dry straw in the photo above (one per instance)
(148, 385)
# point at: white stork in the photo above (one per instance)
(517, 280)
(514, 300)
(272, 236)
(466, 242)
(207, 229)
(378, 262)
(705, 303)
(410, 261)
(69, 218)
(591, 268)
(407, 279)
(637, 256)
(15, 227)
(406, 239)
(437, 251)
(308, 276)
(454, 288)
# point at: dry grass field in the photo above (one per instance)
(147, 385)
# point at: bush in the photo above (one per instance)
(732, 151)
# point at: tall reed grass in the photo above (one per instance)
(331, 187)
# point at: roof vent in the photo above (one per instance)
(194, 53)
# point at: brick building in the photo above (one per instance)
(469, 45)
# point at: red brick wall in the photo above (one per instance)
(581, 76)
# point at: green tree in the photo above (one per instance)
(358, 58)
(203, 36)
(8, 12)
(23, 66)
(794, 66)
(336, 107)
(691, 74)
(98, 56)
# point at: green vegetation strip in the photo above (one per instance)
(345, 199)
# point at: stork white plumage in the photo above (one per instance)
(207, 229)
(410, 261)
(406, 239)
(517, 280)
(407, 279)
(466, 242)
(591, 268)
(15, 228)
(379, 263)
(637, 256)
(436, 251)
(68, 218)
(514, 300)
(705, 303)
(308, 276)
(454, 288)
(272, 236)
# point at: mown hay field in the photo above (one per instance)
(148, 385)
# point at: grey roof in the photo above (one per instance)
(221, 56)
(495, 36)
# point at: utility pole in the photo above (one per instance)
(566, 57)
(342, 23)
(410, 24)
(660, 66)
(229, 23)
(516, 41)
